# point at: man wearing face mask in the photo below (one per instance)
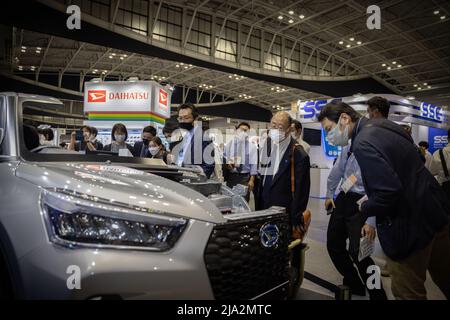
(140, 148)
(285, 172)
(241, 160)
(411, 209)
(93, 139)
(195, 148)
(346, 222)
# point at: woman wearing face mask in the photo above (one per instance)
(157, 150)
(119, 136)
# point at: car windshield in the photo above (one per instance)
(45, 134)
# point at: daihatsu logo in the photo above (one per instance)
(97, 96)
(163, 97)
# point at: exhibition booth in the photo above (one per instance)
(136, 104)
(428, 123)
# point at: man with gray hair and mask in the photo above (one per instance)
(284, 171)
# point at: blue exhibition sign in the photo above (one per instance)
(437, 139)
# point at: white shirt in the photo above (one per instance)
(436, 165)
(277, 153)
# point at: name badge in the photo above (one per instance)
(349, 183)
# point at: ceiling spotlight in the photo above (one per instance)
(240, 96)
(190, 65)
(277, 87)
(186, 67)
(110, 57)
(410, 98)
(352, 39)
(341, 42)
(38, 48)
(442, 17)
(415, 86)
(359, 42)
(419, 88)
(348, 46)
(429, 87)
(230, 76)
(177, 66)
(399, 65)
(301, 16)
(280, 17)
(436, 12)
(38, 51)
(425, 83)
(272, 88)
(113, 54)
(389, 68)
(291, 12)
(383, 65)
(94, 71)
(283, 89)
(394, 62)
(291, 21)
(121, 58)
(24, 48)
(125, 56)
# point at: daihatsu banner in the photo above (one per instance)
(118, 96)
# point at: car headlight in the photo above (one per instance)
(74, 219)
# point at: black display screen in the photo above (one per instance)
(312, 136)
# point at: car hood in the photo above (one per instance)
(124, 185)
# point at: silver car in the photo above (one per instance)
(95, 226)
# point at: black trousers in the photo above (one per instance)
(346, 223)
(234, 178)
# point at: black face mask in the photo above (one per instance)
(146, 142)
(186, 125)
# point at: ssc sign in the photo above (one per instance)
(430, 111)
(311, 109)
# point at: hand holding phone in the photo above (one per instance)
(329, 205)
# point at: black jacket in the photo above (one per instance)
(409, 205)
(279, 192)
(137, 147)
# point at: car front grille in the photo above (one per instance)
(240, 266)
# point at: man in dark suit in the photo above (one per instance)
(195, 148)
(274, 187)
(140, 148)
(411, 209)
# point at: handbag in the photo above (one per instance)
(446, 184)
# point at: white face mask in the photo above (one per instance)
(153, 150)
(336, 137)
(277, 135)
(119, 138)
(242, 135)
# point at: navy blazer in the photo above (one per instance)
(398, 186)
(279, 193)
